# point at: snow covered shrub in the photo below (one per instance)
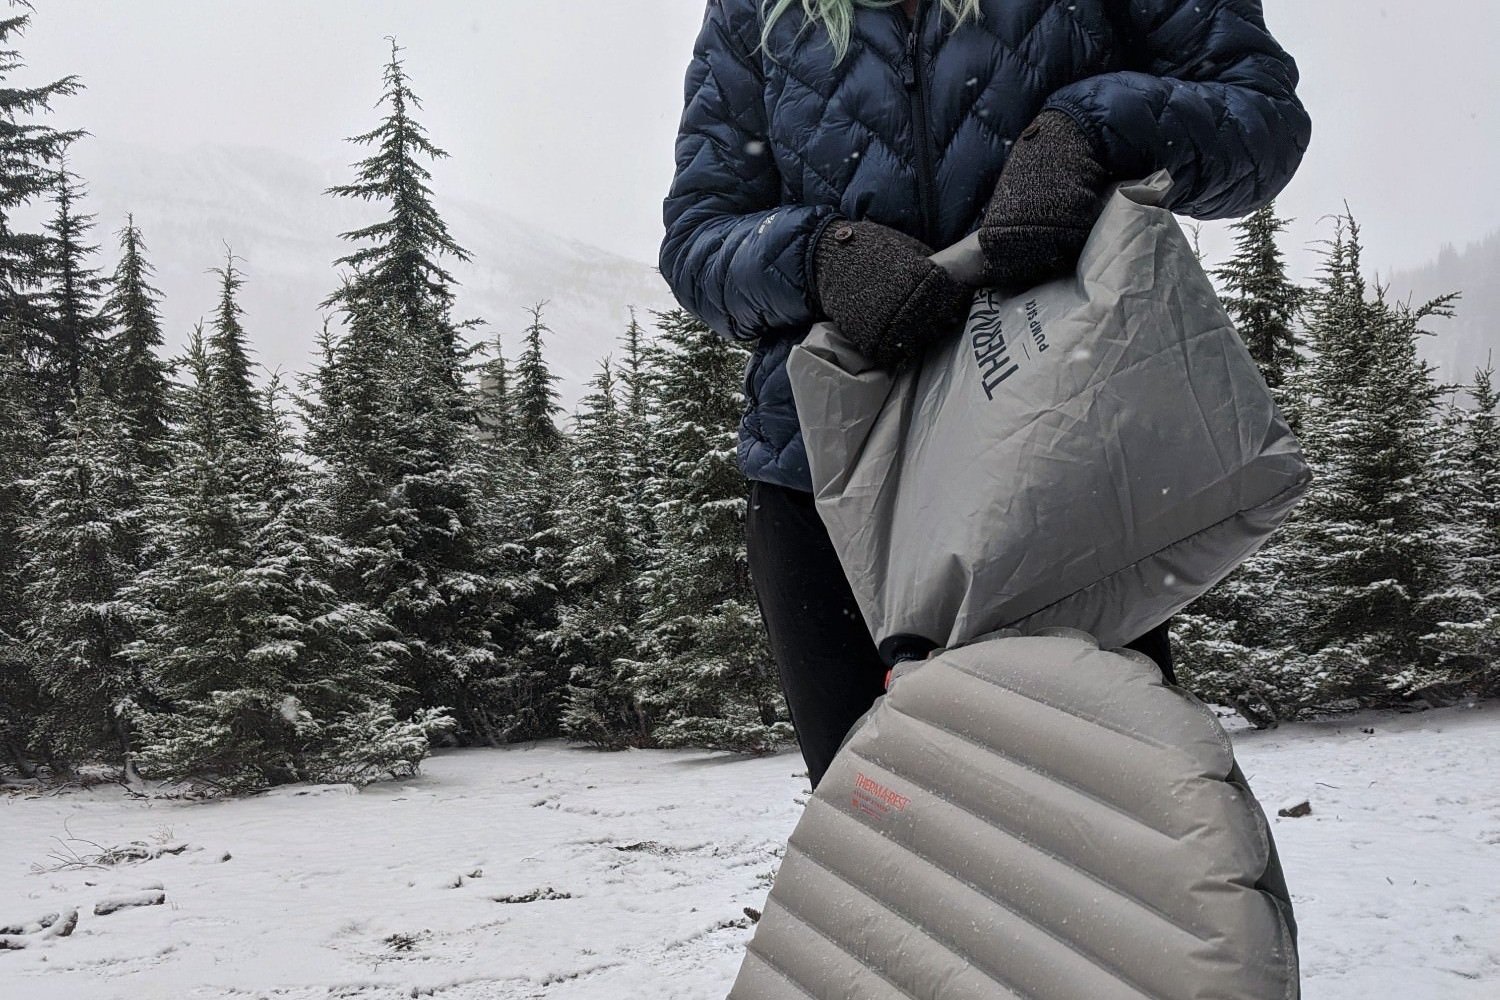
(1263, 685)
(360, 747)
(242, 741)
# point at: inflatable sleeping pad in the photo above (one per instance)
(1029, 817)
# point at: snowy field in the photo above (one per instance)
(550, 872)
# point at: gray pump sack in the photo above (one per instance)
(1095, 453)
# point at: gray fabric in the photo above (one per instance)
(880, 286)
(1094, 453)
(1028, 817)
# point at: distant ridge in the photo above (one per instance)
(1461, 344)
(269, 207)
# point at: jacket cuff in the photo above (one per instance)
(810, 261)
(1087, 123)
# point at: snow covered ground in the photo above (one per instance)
(558, 873)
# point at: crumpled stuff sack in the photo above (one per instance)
(1095, 453)
(1028, 817)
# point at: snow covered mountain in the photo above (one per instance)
(270, 209)
(1472, 336)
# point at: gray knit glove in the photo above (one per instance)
(882, 292)
(1048, 198)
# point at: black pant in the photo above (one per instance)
(829, 667)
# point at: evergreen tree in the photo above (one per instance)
(265, 673)
(398, 262)
(21, 445)
(201, 517)
(229, 352)
(635, 378)
(1465, 643)
(393, 421)
(137, 378)
(28, 152)
(515, 495)
(594, 637)
(702, 658)
(81, 540)
(405, 490)
(1260, 298)
(529, 472)
(611, 524)
(495, 409)
(535, 404)
(73, 325)
(1483, 462)
(1337, 334)
(1368, 542)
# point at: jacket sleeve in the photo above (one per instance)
(1206, 93)
(733, 255)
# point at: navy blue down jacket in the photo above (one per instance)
(912, 128)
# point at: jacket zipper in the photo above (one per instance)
(916, 95)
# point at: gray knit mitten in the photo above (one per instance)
(885, 296)
(1048, 198)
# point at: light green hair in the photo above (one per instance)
(837, 16)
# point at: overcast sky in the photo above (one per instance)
(563, 113)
